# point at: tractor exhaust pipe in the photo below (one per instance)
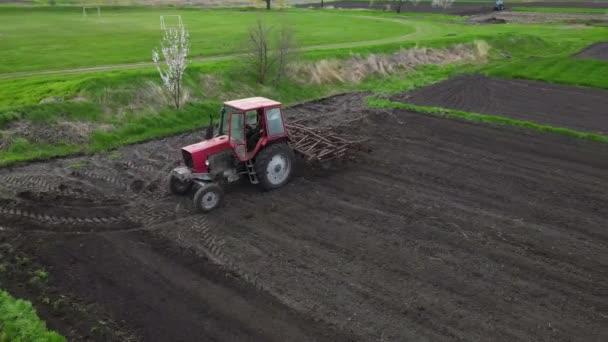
(209, 131)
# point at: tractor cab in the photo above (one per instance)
(251, 124)
(252, 140)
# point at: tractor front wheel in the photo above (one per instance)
(208, 197)
(179, 187)
(274, 166)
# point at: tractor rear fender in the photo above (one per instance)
(265, 142)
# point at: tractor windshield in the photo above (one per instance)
(224, 117)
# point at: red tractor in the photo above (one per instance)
(252, 140)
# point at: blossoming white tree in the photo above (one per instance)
(175, 46)
(442, 3)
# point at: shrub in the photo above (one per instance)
(19, 322)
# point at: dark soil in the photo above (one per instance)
(77, 320)
(457, 8)
(552, 104)
(595, 51)
(447, 230)
(166, 293)
(493, 20)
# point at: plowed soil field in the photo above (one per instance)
(579, 108)
(595, 51)
(445, 230)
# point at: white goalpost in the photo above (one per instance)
(85, 8)
(163, 25)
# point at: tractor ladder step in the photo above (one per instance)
(253, 178)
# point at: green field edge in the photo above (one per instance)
(20, 322)
(141, 130)
(375, 102)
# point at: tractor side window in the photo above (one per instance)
(274, 121)
(237, 129)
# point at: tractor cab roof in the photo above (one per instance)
(251, 103)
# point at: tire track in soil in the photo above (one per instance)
(146, 209)
(166, 293)
(512, 269)
(447, 230)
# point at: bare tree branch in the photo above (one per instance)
(285, 50)
(259, 54)
(398, 4)
(270, 51)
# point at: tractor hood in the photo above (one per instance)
(196, 155)
(211, 144)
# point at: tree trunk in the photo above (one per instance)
(264, 64)
(268, 4)
(178, 95)
(321, 3)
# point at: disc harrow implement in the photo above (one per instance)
(321, 144)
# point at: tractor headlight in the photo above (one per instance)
(207, 162)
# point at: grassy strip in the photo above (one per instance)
(561, 10)
(492, 119)
(564, 70)
(537, 57)
(19, 322)
(138, 129)
(23, 150)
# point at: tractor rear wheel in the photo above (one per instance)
(179, 187)
(208, 197)
(274, 166)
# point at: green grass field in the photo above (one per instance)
(19, 322)
(59, 38)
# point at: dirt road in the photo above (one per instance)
(579, 108)
(457, 8)
(536, 18)
(447, 231)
